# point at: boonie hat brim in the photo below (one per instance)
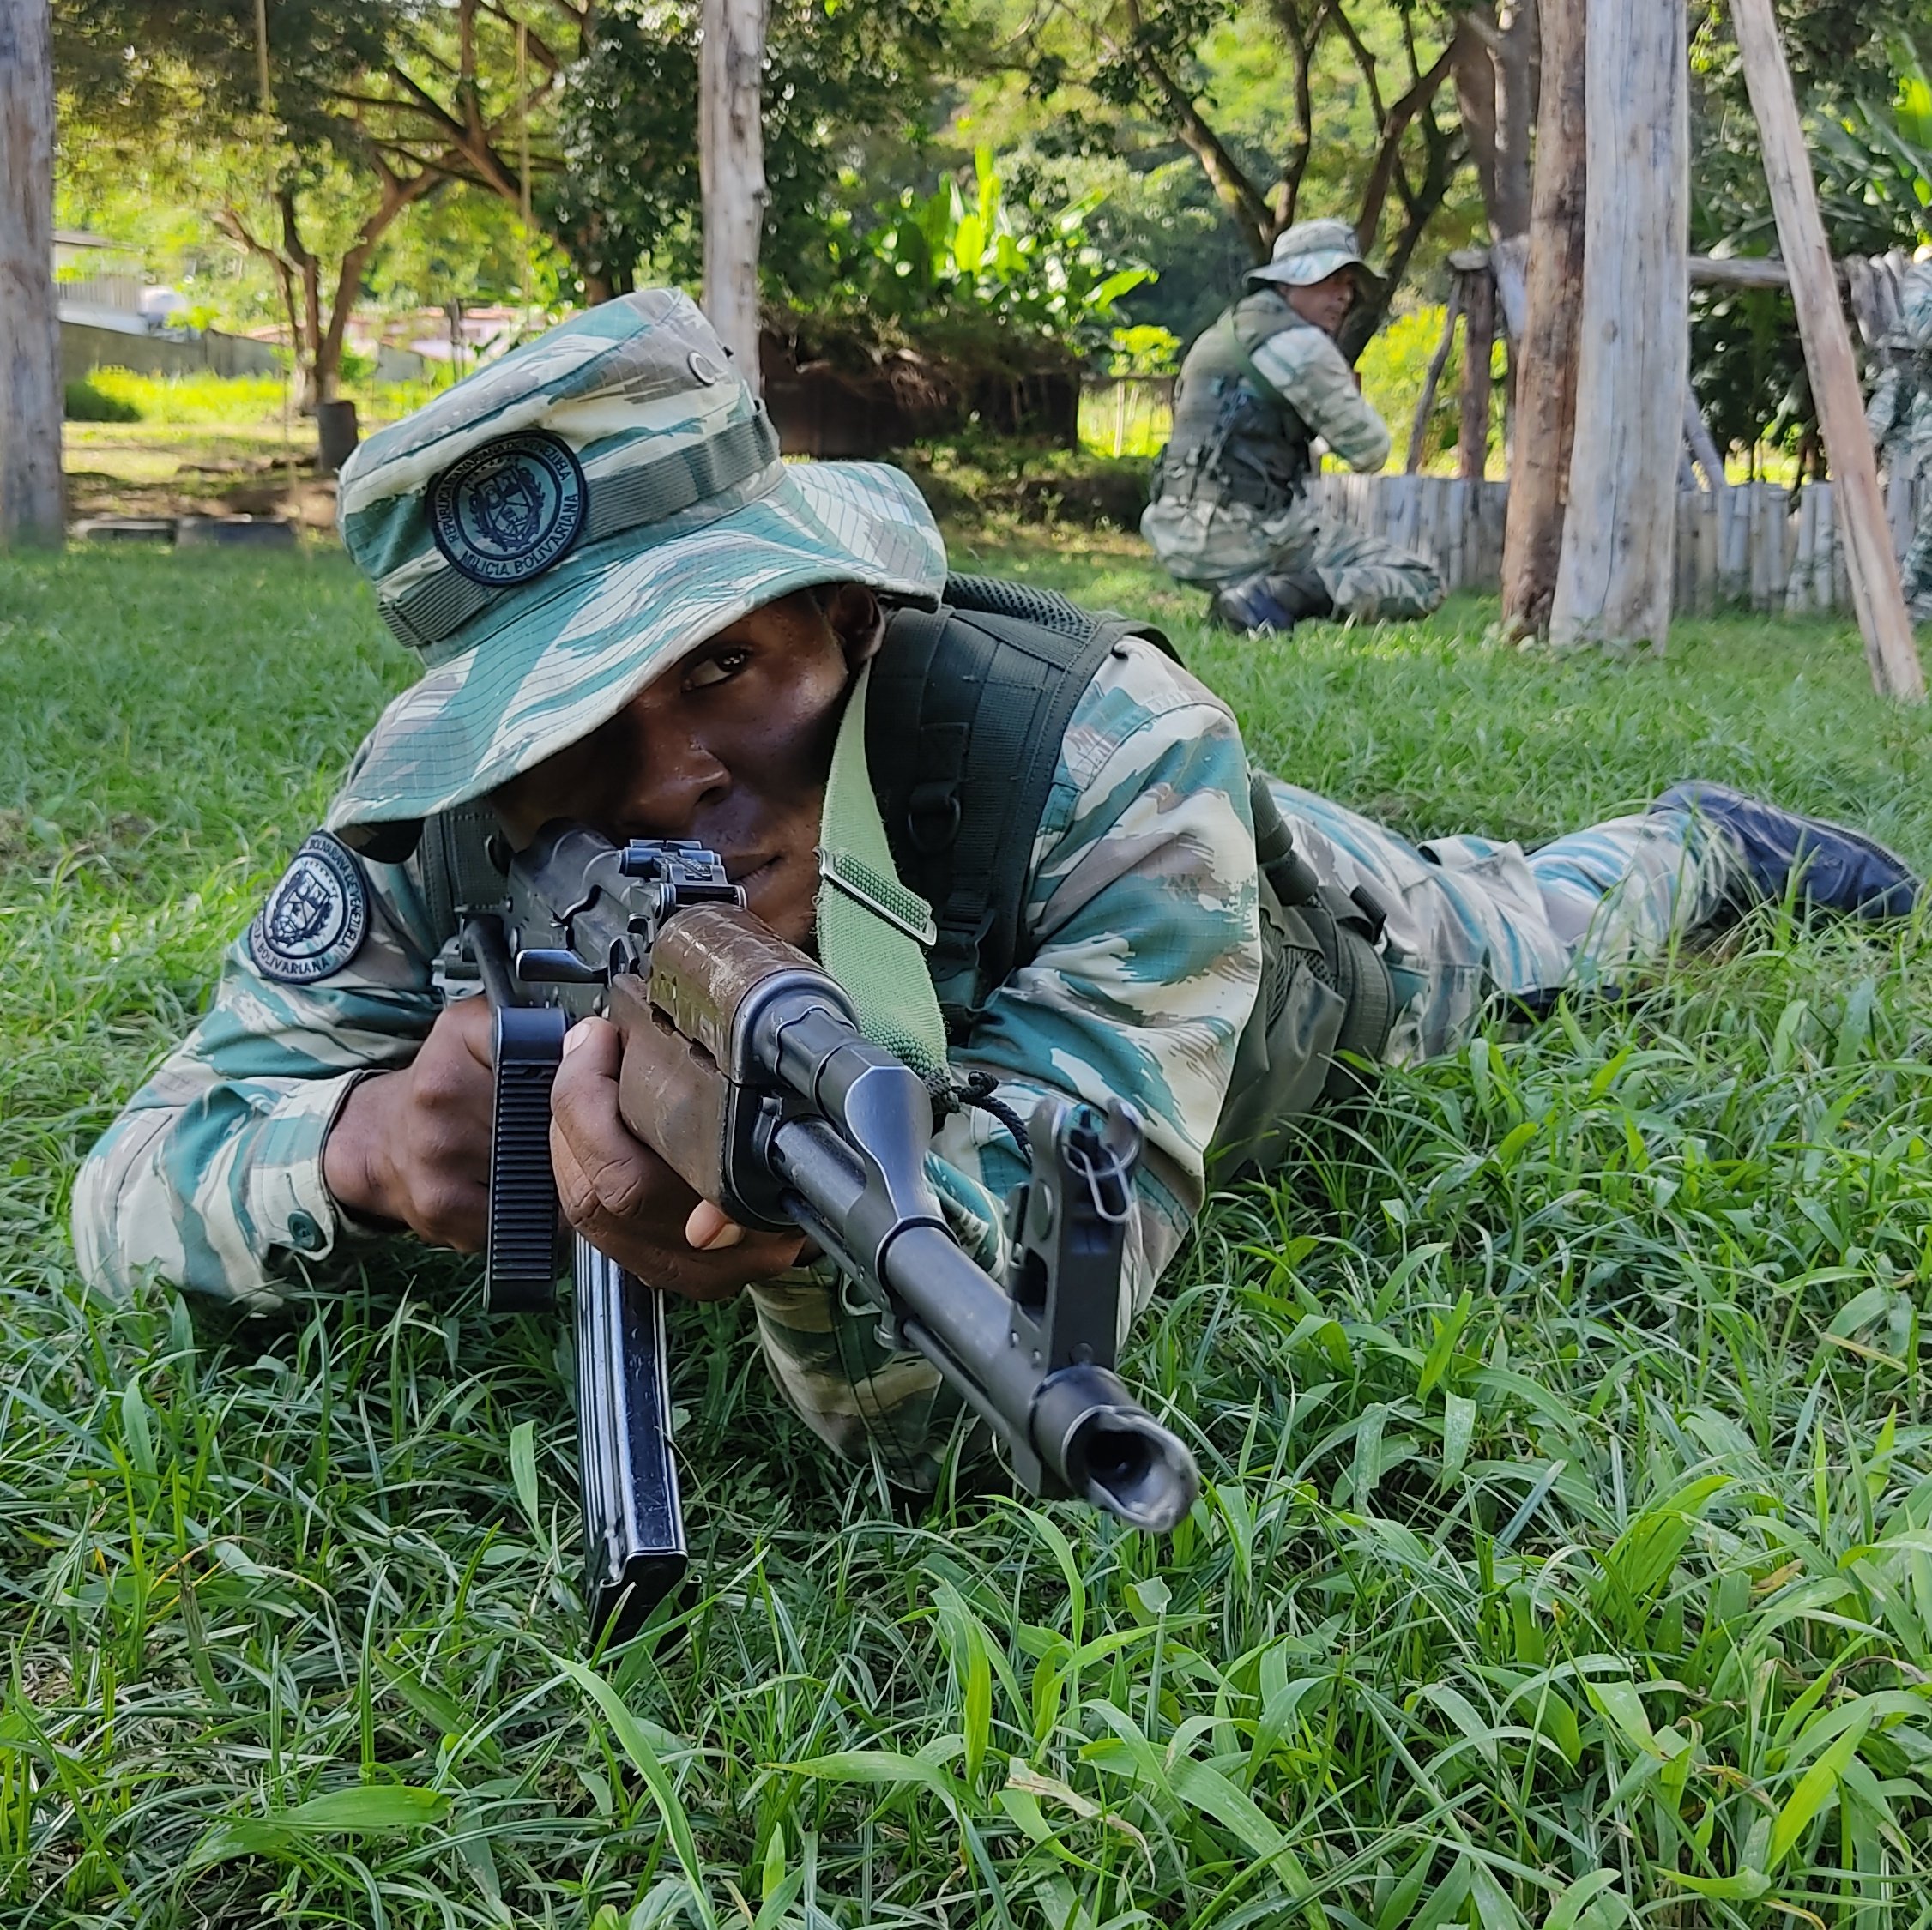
(527, 678)
(1303, 271)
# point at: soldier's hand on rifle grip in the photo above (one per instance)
(412, 1147)
(627, 1201)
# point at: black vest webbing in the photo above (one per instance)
(968, 708)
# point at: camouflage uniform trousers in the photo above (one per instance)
(1227, 546)
(1468, 919)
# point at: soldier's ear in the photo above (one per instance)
(856, 620)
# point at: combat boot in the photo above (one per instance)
(1270, 604)
(1837, 869)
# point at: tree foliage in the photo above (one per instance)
(294, 169)
(841, 79)
(1369, 109)
(993, 256)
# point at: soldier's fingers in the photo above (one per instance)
(452, 1211)
(708, 1230)
(718, 1273)
(594, 1043)
(472, 1026)
(613, 1174)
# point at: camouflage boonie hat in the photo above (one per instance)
(557, 529)
(1311, 252)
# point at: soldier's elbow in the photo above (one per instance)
(122, 1232)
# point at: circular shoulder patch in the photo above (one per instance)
(315, 919)
(508, 511)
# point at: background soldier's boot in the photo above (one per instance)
(1266, 603)
(1838, 869)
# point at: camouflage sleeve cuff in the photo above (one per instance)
(289, 1203)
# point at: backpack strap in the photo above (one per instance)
(969, 707)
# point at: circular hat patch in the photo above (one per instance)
(315, 919)
(508, 511)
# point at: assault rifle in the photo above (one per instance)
(744, 1066)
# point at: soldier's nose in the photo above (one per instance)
(675, 781)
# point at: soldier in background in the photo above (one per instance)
(1230, 509)
(1899, 417)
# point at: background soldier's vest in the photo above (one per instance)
(968, 708)
(1235, 439)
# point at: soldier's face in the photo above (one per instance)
(730, 747)
(1326, 303)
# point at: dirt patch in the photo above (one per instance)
(307, 501)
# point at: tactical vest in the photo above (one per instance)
(1236, 437)
(968, 709)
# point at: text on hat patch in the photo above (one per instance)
(509, 509)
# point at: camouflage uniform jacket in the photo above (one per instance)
(1305, 368)
(1141, 911)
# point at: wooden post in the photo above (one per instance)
(1698, 438)
(32, 506)
(1619, 528)
(1479, 342)
(1546, 382)
(731, 168)
(1425, 403)
(1889, 648)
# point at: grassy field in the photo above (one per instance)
(1566, 1558)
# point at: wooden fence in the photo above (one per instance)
(1756, 545)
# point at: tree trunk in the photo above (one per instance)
(1612, 583)
(1698, 439)
(1479, 343)
(1425, 403)
(1889, 646)
(731, 161)
(1494, 52)
(32, 506)
(1546, 382)
(1476, 101)
(1516, 56)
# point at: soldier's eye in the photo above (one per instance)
(718, 668)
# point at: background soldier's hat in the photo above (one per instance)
(552, 533)
(1311, 252)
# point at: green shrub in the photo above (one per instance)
(1394, 368)
(84, 401)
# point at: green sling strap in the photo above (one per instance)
(871, 930)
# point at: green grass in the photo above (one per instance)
(1566, 1557)
(199, 399)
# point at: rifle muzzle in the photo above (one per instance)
(1111, 1452)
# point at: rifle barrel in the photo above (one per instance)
(1097, 1440)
